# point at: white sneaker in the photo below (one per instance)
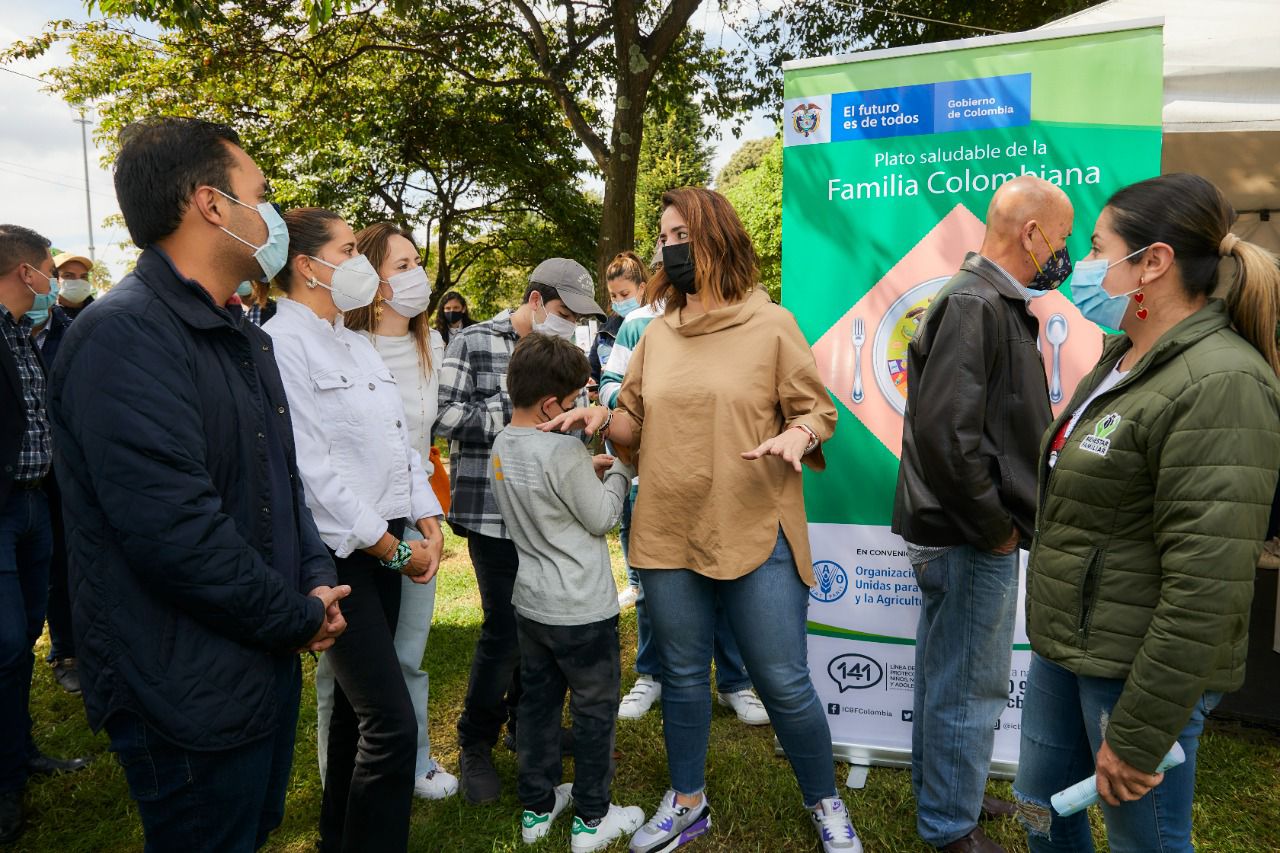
(435, 784)
(534, 826)
(643, 694)
(621, 820)
(628, 597)
(831, 819)
(672, 826)
(747, 706)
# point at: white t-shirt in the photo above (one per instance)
(1108, 382)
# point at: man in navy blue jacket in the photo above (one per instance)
(196, 571)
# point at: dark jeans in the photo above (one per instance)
(373, 733)
(24, 586)
(493, 691)
(209, 802)
(582, 659)
(61, 642)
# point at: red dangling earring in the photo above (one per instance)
(1138, 297)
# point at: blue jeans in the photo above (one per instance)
(227, 801)
(417, 605)
(1061, 733)
(25, 545)
(731, 673)
(964, 646)
(767, 610)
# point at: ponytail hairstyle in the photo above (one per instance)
(372, 242)
(1192, 216)
(724, 261)
(309, 230)
(629, 266)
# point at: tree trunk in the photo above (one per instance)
(618, 217)
(444, 276)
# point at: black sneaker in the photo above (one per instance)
(478, 777)
(11, 816)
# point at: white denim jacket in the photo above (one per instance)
(358, 468)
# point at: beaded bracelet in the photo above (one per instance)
(401, 559)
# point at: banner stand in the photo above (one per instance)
(890, 160)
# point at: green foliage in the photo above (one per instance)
(748, 156)
(756, 193)
(673, 153)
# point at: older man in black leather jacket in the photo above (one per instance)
(977, 408)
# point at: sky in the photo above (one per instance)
(42, 160)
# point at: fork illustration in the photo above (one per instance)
(859, 338)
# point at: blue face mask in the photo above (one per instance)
(244, 289)
(1092, 298)
(44, 301)
(38, 317)
(271, 255)
(626, 306)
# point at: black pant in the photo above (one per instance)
(493, 691)
(367, 797)
(582, 659)
(61, 642)
(225, 801)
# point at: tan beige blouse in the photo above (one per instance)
(701, 391)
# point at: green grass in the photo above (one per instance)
(754, 796)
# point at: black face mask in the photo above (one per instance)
(677, 261)
(452, 317)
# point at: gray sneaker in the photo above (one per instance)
(478, 776)
(672, 826)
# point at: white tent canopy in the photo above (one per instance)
(1221, 97)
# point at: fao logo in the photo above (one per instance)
(855, 672)
(832, 582)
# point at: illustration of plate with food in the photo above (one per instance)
(897, 327)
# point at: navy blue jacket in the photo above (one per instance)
(160, 447)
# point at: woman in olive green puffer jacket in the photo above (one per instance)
(1156, 487)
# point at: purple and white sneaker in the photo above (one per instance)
(831, 819)
(672, 826)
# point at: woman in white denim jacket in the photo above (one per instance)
(364, 484)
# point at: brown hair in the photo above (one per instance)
(724, 260)
(629, 266)
(1192, 216)
(545, 365)
(372, 242)
(308, 232)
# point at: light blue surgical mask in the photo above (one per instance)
(44, 301)
(626, 306)
(39, 316)
(244, 289)
(271, 255)
(1094, 302)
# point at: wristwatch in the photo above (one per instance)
(813, 438)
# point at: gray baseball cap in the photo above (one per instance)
(571, 280)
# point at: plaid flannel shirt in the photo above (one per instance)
(36, 453)
(474, 408)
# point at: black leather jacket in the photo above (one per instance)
(978, 406)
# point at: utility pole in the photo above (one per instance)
(88, 205)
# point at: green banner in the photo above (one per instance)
(890, 161)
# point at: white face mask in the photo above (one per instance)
(554, 325)
(410, 292)
(355, 282)
(76, 290)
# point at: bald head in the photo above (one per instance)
(1027, 221)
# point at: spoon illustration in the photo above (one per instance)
(1056, 332)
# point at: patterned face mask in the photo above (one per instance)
(1054, 271)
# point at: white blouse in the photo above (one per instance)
(359, 468)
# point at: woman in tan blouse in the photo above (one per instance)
(722, 371)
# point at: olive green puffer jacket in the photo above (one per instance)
(1151, 524)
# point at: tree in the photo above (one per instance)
(747, 157)
(602, 63)
(756, 193)
(371, 135)
(673, 153)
